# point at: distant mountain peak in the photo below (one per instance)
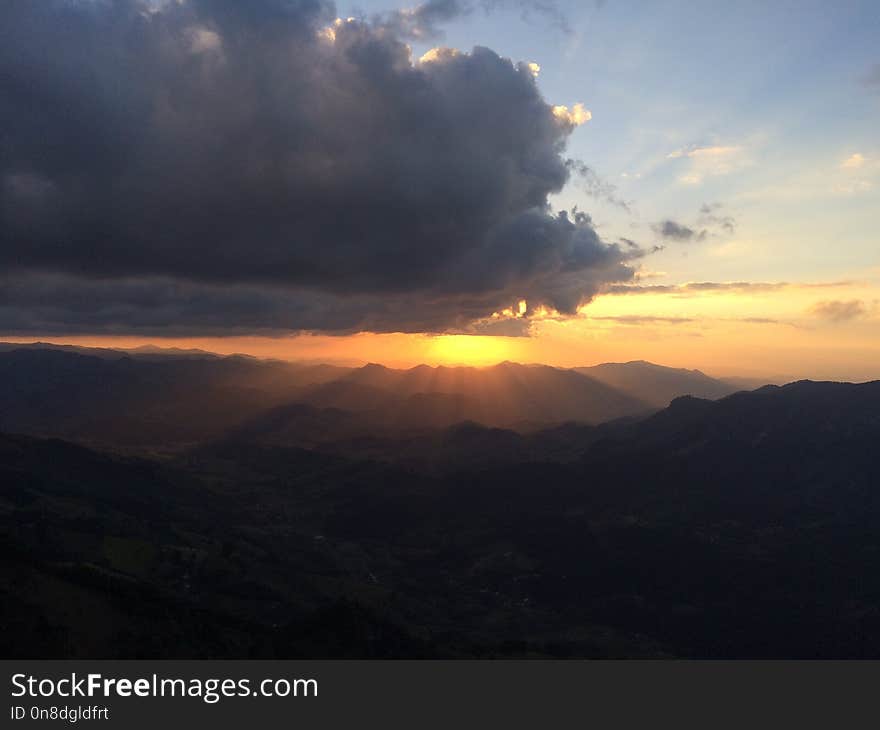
(658, 384)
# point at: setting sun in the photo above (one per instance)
(470, 349)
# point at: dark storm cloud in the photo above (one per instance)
(574, 265)
(216, 163)
(63, 304)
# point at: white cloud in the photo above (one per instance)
(853, 162)
(575, 116)
(709, 161)
(858, 175)
(853, 187)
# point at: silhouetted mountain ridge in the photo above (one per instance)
(508, 393)
(656, 384)
(169, 402)
(175, 401)
(743, 527)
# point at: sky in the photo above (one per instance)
(695, 184)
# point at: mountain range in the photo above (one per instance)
(152, 398)
(742, 527)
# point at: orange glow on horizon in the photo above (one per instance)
(470, 349)
(759, 331)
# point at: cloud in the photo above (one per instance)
(425, 21)
(502, 327)
(715, 152)
(266, 166)
(696, 287)
(671, 230)
(710, 216)
(595, 186)
(575, 116)
(709, 161)
(853, 162)
(547, 11)
(858, 175)
(60, 304)
(710, 223)
(636, 319)
(700, 153)
(839, 311)
(639, 319)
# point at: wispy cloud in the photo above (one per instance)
(711, 215)
(710, 223)
(854, 161)
(714, 151)
(426, 20)
(857, 174)
(839, 311)
(694, 288)
(636, 319)
(709, 161)
(595, 186)
(765, 320)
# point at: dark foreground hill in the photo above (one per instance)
(746, 527)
